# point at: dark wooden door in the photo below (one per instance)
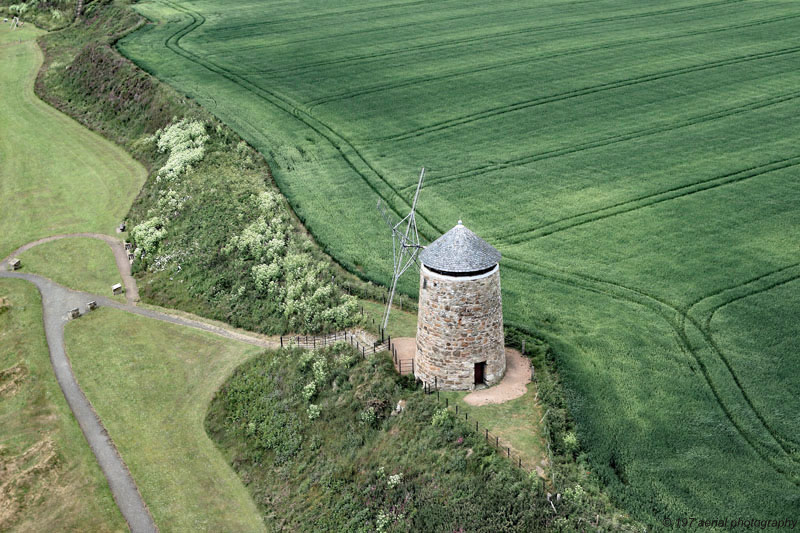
(479, 367)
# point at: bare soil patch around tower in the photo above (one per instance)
(518, 374)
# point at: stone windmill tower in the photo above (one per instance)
(460, 321)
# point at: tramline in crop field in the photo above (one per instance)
(637, 163)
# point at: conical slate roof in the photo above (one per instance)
(459, 250)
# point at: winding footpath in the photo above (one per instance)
(57, 301)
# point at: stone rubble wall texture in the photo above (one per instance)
(460, 323)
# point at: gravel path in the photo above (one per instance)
(120, 256)
(57, 301)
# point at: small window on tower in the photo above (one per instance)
(424, 283)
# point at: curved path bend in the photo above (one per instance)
(120, 256)
(57, 301)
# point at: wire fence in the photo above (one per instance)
(406, 367)
(489, 437)
(356, 339)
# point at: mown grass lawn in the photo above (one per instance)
(67, 492)
(636, 164)
(151, 383)
(516, 423)
(56, 176)
(78, 263)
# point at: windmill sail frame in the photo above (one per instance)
(405, 245)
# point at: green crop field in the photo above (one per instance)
(636, 162)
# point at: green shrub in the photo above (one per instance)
(419, 470)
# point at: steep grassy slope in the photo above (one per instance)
(209, 223)
(279, 419)
(629, 159)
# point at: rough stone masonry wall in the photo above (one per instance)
(460, 323)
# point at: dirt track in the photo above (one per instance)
(513, 385)
(517, 376)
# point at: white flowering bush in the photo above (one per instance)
(313, 411)
(184, 141)
(394, 480)
(383, 521)
(571, 442)
(440, 417)
(368, 416)
(148, 234)
(310, 390)
(575, 494)
(307, 358)
(320, 369)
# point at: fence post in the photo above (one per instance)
(314, 339)
(456, 408)
(446, 403)
(487, 435)
(436, 382)
(523, 346)
(520, 462)
(437, 395)
(466, 416)
(363, 352)
(497, 441)
(412, 367)
(509, 451)
(281, 341)
(476, 425)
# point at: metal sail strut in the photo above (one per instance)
(405, 244)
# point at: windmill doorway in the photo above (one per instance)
(479, 372)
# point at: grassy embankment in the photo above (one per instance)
(515, 423)
(50, 480)
(78, 263)
(618, 184)
(279, 420)
(151, 383)
(203, 221)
